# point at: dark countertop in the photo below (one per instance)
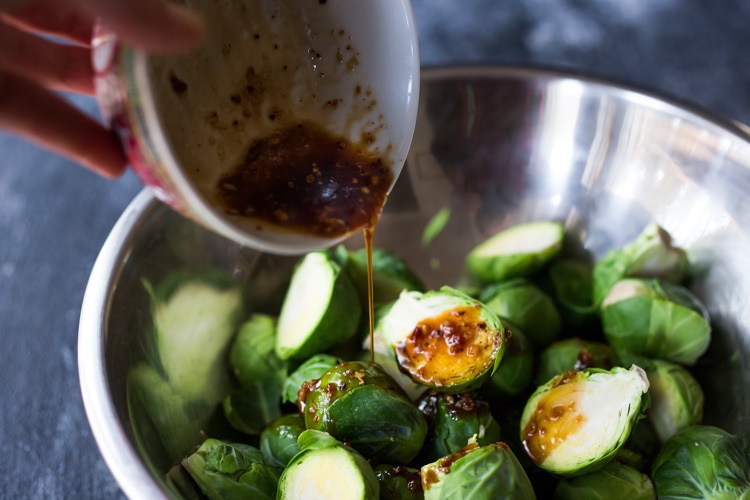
(54, 216)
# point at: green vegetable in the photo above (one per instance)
(454, 419)
(517, 251)
(576, 422)
(252, 356)
(399, 482)
(650, 255)
(226, 470)
(436, 225)
(516, 370)
(657, 320)
(676, 399)
(252, 407)
(361, 405)
(526, 306)
(390, 366)
(324, 468)
(390, 273)
(444, 339)
(311, 369)
(278, 441)
(614, 481)
(477, 473)
(320, 310)
(195, 318)
(574, 354)
(703, 462)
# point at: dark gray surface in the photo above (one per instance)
(54, 216)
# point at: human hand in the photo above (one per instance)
(32, 67)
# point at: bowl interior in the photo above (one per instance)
(492, 148)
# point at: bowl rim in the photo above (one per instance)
(122, 458)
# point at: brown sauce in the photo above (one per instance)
(369, 231)
(446, 346)
(304, 179)
(556, 417)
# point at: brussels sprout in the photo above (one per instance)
(321, 309)
(615, 481)
(444, 339)
(517, 251)
(232, 470)
(256, 402)
(250, 408)
(574, 354)
(454, 419)
(641, 447)
(572, 287)
(390, 274)
(525, 306)
(650, 255)
(311, 369)
(252, 356)
(676, 399)
(703, 462)
(476, 473)
(363, 406)
(657, 320)
(516, 370)
(390, 366)
(195, 318)
(399, 482)
(576, 422)
(325, 468)
(278, 441)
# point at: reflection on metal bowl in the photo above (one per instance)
(496, 147)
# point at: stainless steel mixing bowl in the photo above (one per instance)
(496, 146)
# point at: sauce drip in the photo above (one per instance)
(305, 179)
(369, 231)
(555, 418)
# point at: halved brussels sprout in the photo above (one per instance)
(390, 274)
(676, 399)
(325, 468)
(321, 308)
(703, 462)
(477, 473)
(650, 255)
(399, 482)
(576, 422)
(454, 419)
(444, 339)
(516, 370)
(311, 369)
(517, 251)
(232, 470)
(526, 306)
(657, 320)
(574, 354)
(363, 406)
(615, 481)
(390, 366)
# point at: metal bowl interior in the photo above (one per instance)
(495, 147)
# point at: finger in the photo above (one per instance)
(153, 25)
(51, 17)
(56, 66)
(32, 112)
